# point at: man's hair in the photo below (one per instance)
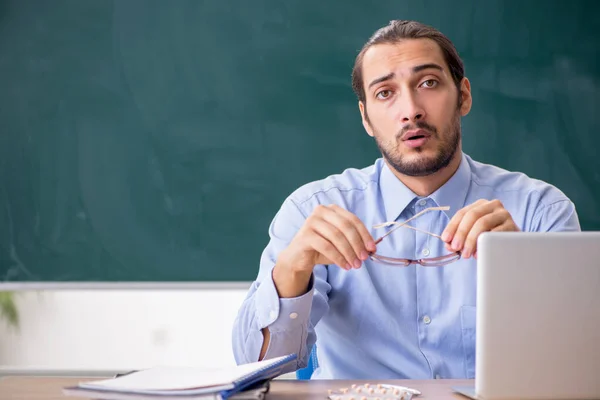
(396, 31)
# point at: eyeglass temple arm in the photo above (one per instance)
(411, 227)
(401, 224)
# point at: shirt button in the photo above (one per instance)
(273, 314)
(294, 315)
(425, 251)
(422, 202)
(426, 319)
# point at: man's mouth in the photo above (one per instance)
(415, 134)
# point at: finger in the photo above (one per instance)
(360, 227)
(327, 250)
(485, 223)
(508, 226)
(467, 222)
(338, 239)
(343, 220)
(450, 231)
(321, 227)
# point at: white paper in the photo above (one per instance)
(178, 378)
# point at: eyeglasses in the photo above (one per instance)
(405, 262)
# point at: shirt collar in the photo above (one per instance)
(454, 192)
(396, 196)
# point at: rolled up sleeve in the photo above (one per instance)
(291, 320)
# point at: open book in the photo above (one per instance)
(185, 382)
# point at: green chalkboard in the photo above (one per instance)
(155, 140)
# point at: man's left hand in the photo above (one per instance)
(469, 222)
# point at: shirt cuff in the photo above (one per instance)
(281, 314)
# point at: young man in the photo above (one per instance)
(325, 275)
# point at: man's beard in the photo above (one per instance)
(446, 149)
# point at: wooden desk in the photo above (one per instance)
(50, 388)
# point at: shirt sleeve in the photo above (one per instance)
(559, 216)
(290, 321)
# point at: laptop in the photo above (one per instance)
(538, 316)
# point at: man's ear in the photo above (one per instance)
(465, 96)
(365, 118)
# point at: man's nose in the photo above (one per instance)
(412, 111)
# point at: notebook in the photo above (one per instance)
(184, 382)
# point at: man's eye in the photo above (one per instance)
(383, 94)
(429, 83)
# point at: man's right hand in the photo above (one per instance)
(330, 235)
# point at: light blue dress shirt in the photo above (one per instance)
(379, 321)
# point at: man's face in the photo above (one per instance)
(412, 105)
